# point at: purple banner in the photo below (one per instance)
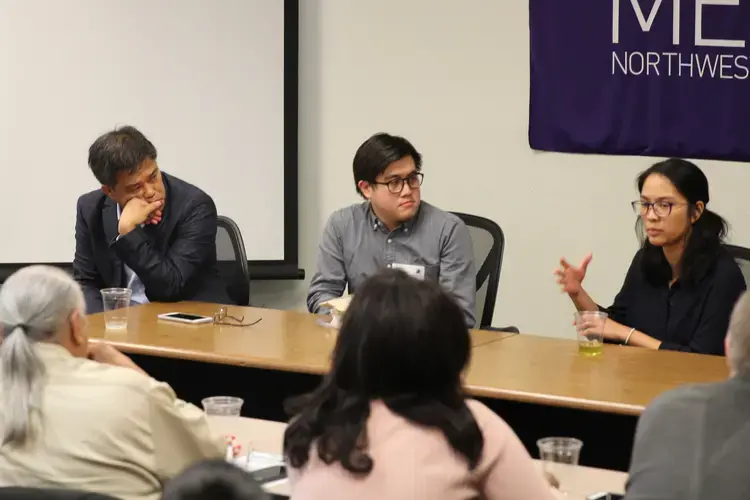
(641, 77)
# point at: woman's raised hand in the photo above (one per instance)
(570, 277)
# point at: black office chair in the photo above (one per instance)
(741, 255)
(18, 493)
(230, 253)
(489, 243)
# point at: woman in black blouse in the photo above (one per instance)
(681, 287)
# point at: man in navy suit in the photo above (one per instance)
(144, 230)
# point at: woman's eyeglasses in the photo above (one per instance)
(660, 208)
(222, 317)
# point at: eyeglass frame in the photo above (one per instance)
(403, 181)
(222, 314)
(652, 206)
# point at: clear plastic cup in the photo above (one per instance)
(116, 306)
(330, 318)
(563, 450)
(227, 406)
(559, 456)
(590, 332)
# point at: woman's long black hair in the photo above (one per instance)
(705, 237)
(402, 341)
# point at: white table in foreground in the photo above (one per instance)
(268, 437)
(258, 435)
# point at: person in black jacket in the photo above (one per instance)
(144, 230)
(682, 285)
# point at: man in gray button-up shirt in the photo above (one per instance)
(394, 229)
(693, 442)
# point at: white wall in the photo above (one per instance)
(204, 84)
(453, 77)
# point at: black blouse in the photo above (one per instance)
(685, 318)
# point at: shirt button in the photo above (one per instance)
(389, 265)
(406, 229)
(389, 240)
(374, 226)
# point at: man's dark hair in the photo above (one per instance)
(121, 150)
(404, 342)
(213, 479)
(376, 153)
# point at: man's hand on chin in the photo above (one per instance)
(138, 211)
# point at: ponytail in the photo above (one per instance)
(703, 246)
(36, 303)
(21, 372)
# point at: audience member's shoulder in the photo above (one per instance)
(680, 402)
(487, 420)
(118, 376)
(130, 388)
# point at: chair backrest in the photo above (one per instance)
(489, 243)
(230, 254)
(741, 255)
(19, 493)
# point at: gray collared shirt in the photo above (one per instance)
(693, 443)
(356, 245)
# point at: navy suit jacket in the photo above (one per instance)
(175, 259)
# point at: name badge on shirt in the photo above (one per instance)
(411, 270)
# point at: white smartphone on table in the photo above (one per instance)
(191, 319)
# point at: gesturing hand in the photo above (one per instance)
(138, 211)
(569, 277)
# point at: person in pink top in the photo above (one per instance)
(391, 421)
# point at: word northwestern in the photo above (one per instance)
(727, 65)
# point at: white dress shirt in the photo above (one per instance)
(138, 289)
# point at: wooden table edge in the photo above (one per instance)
(204, 357)
(245, 362)
(555, 400)
(492, 341)
(494, 393)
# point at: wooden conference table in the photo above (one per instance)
(540, 386)
(283, 340)
(267, 437)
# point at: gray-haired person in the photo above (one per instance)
(83, 416)
(694, 442)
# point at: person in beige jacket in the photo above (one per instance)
(390, 421)
(83, 416)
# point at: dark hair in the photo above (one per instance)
(121, 150)
(705, 238)
(376, 153)
(213, 479)
(402, 341)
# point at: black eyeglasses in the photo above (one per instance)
(395, 186)
(222, 317)
(660, 208)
